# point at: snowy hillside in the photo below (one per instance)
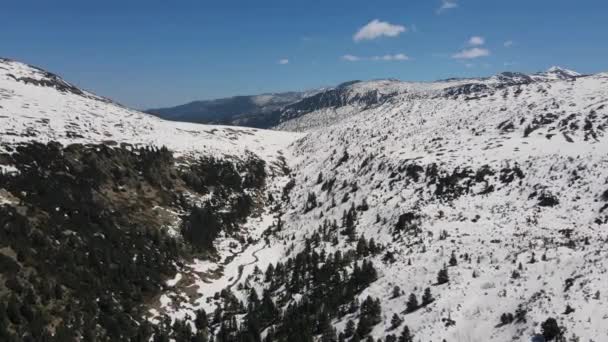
(37, 105)
(507, 174)
(459, 210)
(499, 177)
(333, 105)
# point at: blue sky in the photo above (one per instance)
(160, 53)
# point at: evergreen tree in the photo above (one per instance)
(406, 335)
(396, 291)
(550, 329)
(412, 303)
(200, 322)
(396, 321)
(349, 330)
(269, 274)
(253, 300)
(442, 276)
(427, 297)
(362, 247)
(329, 334)
(453, 259)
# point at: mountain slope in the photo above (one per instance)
(260, 111)
(499, 181)
(497, 177)
(36, 105)
(100, 204)
(332, 105)
(464, 210)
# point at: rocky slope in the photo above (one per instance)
(460, 210)
(499, 174)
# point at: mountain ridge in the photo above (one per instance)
(458, 210)
(243, 110)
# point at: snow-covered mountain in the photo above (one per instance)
(38, 105)
(483, 199)
(332, 105)
(507, 174)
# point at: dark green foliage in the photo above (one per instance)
(325, 288)
(407, 222)
(506, 318)
(395, 321)
(396, 291)
(230, 205)
(427, 297)
(406, 335)
(349, 220)
(202, 226)
(412, 304)
(370, 315)
(442, 276)
(311, 202)
(91, 242)
(349, 331)
(453, 260)
(551, 330)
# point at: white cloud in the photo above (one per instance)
(351, 58)
(284, 61)
(508, 43)
(388, 58)
(476, 41)
(396, 57)
(447, 5)
(471, 53)
(376, 29)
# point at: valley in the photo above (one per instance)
(456, 210)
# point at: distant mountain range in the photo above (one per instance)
(260, 111)
(272, 110)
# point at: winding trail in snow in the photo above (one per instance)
(242, 266)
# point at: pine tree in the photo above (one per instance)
(311, 202)
(406, 335)
(453, 260)
(412, 303)
(253, 300)
(349, 330)
(427, 297)
(269, 274)
(442, 276)
(201, 322)
(395, 321)
(329, 334)
(362, 247)
(396, 291)
(550, 329)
